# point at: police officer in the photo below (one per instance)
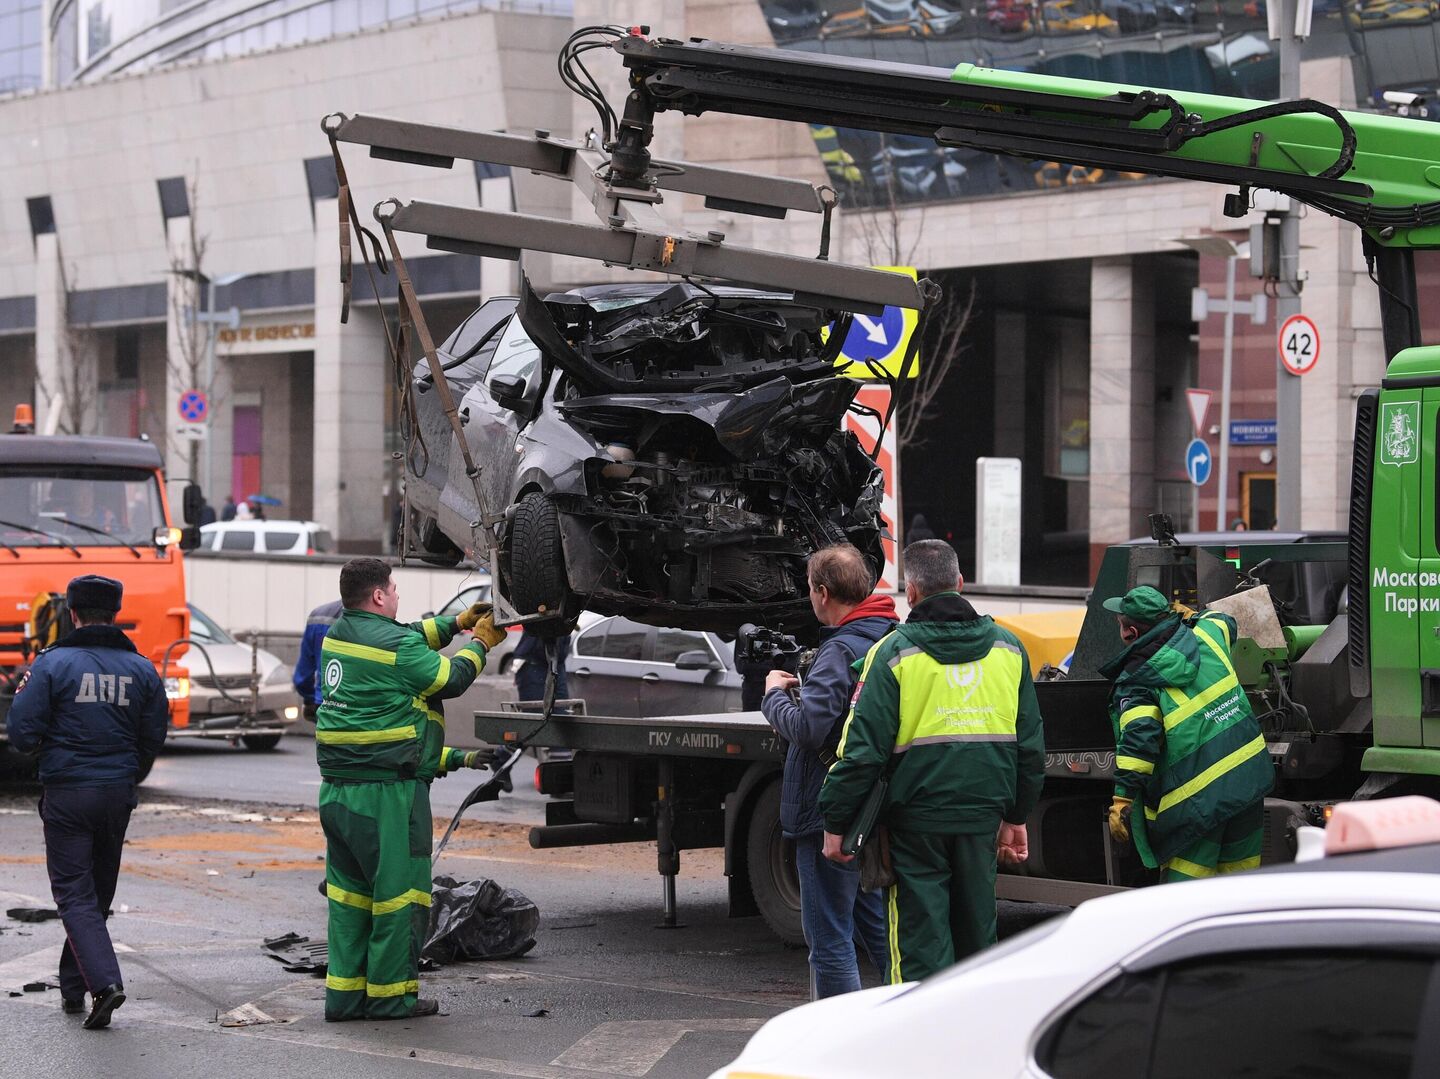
(96, 711)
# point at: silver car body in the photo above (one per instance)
(220, 686)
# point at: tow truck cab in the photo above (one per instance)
(71, 505)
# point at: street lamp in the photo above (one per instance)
(1201, 306)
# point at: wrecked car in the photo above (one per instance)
(668, 452)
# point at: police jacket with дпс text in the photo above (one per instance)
(94, 708)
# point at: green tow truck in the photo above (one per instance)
(1349, 692)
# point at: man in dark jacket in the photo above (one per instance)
(531, 668)
(97, 713)
(945, 705)
(1188, 748)
(307, 668)
(833, 910)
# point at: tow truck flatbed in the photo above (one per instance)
(737, 736)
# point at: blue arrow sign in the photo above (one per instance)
(1198, 462)
(874, 337)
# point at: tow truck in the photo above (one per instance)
(1350, 696)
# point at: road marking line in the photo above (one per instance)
(37, 966)
(633, 1048)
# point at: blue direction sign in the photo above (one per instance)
(1252, 432)
(193, 406)
(880, 340)
(1197, 462)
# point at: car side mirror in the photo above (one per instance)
(192, 502)
(698, 660)
(508, 390)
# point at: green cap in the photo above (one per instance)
(1142, 604)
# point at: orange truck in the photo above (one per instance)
(71, 505)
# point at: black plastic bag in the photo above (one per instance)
(478, 919)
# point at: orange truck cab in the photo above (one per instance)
(71, 505)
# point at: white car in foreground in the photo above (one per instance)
(1318, 969)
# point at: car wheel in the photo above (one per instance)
(537, 562)
(770, 858)
(260, 743)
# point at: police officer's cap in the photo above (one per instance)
(94, 593)
(1141, 604)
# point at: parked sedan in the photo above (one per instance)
(622, 668)
(220, 678)
(1326, 968)
(498, 660)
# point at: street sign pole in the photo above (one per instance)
(1222, 492)
(1288, 411)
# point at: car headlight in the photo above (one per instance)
(292, 712)
(177, 689)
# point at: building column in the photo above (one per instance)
(1122, 402)
(183, 338)
(66, 377)
(349, 413)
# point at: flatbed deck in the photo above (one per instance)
(736, 736)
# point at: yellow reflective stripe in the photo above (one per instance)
(1190, 869)
(345, 985)
(394, 989)
(474, 653)
(362, 738)
(893, 932)
(350, 899)
(1252, 862)
(420, 705)
(441, 677)
(855, 700)
(1205, 778)
(432, 632)
(413, 897)
(1140, 711)
(1219, 652)
(1135, 764)
(1190, 705)
(1217, 624)
(359, 651)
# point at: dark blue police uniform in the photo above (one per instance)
(96, 712)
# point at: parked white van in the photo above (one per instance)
(267, 537)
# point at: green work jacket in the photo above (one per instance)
(1188, 749)
(381, 681)
(947, 697)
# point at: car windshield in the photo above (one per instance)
(204, 630)
(1008, 947)
(84, 507)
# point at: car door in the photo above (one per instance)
(667, 690)
(606, 665)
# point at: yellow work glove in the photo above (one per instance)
(487, 632)
(1120, 819)
(471, 615)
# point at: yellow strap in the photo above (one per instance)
(1205, 778)
(1190, 869)
(394, 989)
(432, 633)
(1135, 764)
(362, 738)
(1140, 711)
(441, 677)
(359, 651)
(413, 897)
(893, 932)
(350, 899)
(345, 985)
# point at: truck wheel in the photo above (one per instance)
(260, 743)
(537, 562)
(770, 858)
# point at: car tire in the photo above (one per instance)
(536, 560)
(260, 743)
(770, 859)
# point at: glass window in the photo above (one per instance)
(463, 599)
(592, 641)
(516, 355)
(671, 644)
(237, 541)
(625, 640)
(84, 506)
(322, 541)
(475, 339)
(281, 541)
(1108, 1035)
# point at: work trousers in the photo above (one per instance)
(942, 906)
(837, 916)
(84, 834)
(377, 877)
(1234, 846)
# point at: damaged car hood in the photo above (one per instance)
(752, 424)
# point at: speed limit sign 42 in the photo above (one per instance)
(1299, 344)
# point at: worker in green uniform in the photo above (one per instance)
(379, 740)
(946, 707)
(1191, 766)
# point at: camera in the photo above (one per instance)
(767, 648)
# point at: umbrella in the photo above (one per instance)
(262, 500)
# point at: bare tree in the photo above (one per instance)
(74, 390)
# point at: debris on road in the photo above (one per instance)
(300, 955)
(32, 914)
(478, 919)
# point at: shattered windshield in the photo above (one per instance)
(84, 507)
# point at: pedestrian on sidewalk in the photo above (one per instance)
(379, 741)
(306, 678)
(96, 711)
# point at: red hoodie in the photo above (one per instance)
(875, 606)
